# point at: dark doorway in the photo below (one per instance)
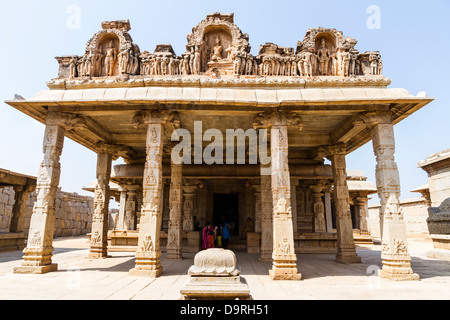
(226, 209)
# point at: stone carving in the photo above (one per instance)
(215, 276)
(147, 245)
(217, 47)
(35, 240)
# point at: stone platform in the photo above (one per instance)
(11, 241)
(78, 278)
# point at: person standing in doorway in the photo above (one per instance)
(225, 230)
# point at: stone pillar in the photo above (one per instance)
(123, 203)
(99, 234)
(258, 213)
(148, 255)
(174, 239)
(328, 212)
(22, 194)
(38, 253)
(266, 217)
(346, 251)
(294, 184)
(395, 255)
(361, 204)
(189, 206)
(284, 265)
(130, 208)
(319, 224)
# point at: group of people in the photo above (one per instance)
(214, 236)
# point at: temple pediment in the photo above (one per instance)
(217, 48)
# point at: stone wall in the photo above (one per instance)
(415, 214)
(6, 207)
(73, 212)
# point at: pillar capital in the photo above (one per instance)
(276, 118)
(373, 118)
(115, 150)
(155, 116)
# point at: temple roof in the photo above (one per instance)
(326, 81)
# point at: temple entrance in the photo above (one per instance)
(226, 209)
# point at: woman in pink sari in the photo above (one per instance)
(208, 236)
(205, 237)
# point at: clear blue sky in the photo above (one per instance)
(412, 38)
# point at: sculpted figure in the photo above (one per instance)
(243, 56)
(380, 67)
(191, 60)
(300, 65)
(110, 59)
(124, 58)
(89, 64)
(158, 66)
(288, 68)
(237, 64)
(73, 68)
(323, 55)
(98, 61)
(294, 67)
(231, 53)
(345, 63)
(249, 66)
(307, 63)
(185, 65)
(255, 68)
(282, 67)
(196, 63)
(135, 68)
(373, 59)
(266, 66)
(171, 66)
(164, 66)
(277, 67)
(217, 51)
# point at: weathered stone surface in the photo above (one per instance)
(439, 219)
(215, 276)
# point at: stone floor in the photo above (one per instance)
(79, 278)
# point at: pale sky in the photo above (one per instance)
(412, 37)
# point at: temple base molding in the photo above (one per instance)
(36, 269)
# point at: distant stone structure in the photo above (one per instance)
(437, 166)
(73, 212)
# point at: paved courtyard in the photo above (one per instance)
(79, 278)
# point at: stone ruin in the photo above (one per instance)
(439, 228)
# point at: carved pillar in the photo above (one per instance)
(361, 204)
(22, 194)
(294, 184)
(319, 224)
(266, 217)
(130, 208)
(395, 255)
(123, 203)
(175, 204)
(38, 253)
(148, 254)
(258, 212)
(346, 251)
(284, 265)
(328, 211)
(99, 234)
(189, 205)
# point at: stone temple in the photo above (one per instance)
(310, 105)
